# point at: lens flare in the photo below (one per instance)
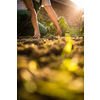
(79, 3)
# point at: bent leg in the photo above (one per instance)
(43, 30)
(23, 18)
(29, 30)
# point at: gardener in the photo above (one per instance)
(27, 18)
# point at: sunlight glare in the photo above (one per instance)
(80, 3)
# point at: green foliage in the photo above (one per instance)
(52, 28)
(40, 19)
(73, 31)
(63, 25)
(82, 25)
(79, 31)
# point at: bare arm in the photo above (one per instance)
(53, 17)
(32, 11)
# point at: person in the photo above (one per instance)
(27, 23)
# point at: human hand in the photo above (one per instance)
(59, 32)
(36, 34)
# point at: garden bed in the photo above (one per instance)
(50, 68)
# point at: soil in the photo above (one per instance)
(44, 74)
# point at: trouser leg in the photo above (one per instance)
(29, 30)
(42, 28)
(23, 18)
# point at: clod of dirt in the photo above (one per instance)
(20, 44)
(54, 65)
(20, 49)
(55, 49)
(22, 62)
(35, 41)
(63, 39)
(52, 37)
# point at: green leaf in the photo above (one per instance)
(52, 28)
(63, 25)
